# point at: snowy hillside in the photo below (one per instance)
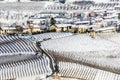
(98, 53)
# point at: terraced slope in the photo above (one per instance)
(98, 53)
(26, 68)
(18, 59)
(12, 44)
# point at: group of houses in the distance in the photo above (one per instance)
(78, 17)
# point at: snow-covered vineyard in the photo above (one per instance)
(30, 67)
(14, 44)
(82, 72)
(19, 60)
(51, 36)
(77, 56)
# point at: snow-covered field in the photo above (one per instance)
(113, 37)
(34, 67)
(41, 37)
(83, 72)
(98, 53)
(78, 55)
(18, 60)
(80, 43)
(10, 45)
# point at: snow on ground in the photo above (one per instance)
(84, 72)
(37, 66)
(52, 35)
(13, 46)
(98, 53)
(15, 58)
(113, 37)
(80, 43)
(94, 59)
(49, 78)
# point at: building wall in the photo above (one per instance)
(26, 30)
(117, 8)
(6, 31)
